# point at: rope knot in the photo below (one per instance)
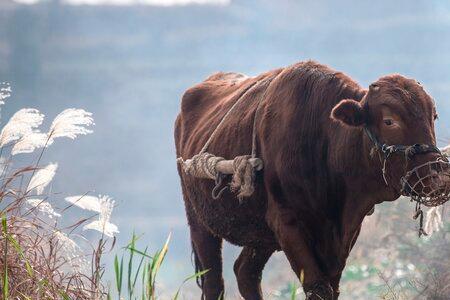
(201, 165)
(243, 177)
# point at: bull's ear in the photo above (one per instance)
(349, 112)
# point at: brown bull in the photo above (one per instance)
(315, 133)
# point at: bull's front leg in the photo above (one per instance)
(294, 243)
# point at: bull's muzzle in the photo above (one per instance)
(429, 183)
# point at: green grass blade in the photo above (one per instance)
(5, 271)
(118, 270)
(162, 255)
(5, 284)
(4, 225)
(130, 265)
(139, 267)
(149, 285)
(194, 276)
(116, 273)
(25, 296)
(19, 250)
(144, 273)
(138, 252)
(64, 295)
(293, 288)
(158, 261)
(121, 272)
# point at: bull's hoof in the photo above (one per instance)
(320, 291)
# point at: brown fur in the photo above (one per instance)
(319, 180)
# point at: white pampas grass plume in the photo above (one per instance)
(72, 253)
(42, 178)
(102, 204)
(106, 228)
(70, 123)
(433, 221)
(68, 244)
(21, 123)
(31, 142)
(85, 202)
(5, 92)
(4, 164)
(43, 207)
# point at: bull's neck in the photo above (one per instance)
(364, 182)
(353, 157)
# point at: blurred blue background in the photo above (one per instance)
(130, 64)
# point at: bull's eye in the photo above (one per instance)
(388, 122)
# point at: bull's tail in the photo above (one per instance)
(198, 268)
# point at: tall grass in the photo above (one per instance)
(141, 272)
(39, 260)
(40, 256)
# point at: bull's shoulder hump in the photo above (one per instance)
(214, 89)
(195, 95)
(227, 76)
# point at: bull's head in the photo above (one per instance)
(398, 116)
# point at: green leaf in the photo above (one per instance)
(19, 250)
(130, 264)
(139, 268)
(118, 270)
(25, 296)
(196, 275)
(5, 271)
(162, 255)
(4, 225)
(157, 261)
(293, 288)
(138, 252)
(144, 273)
(5, 284)
(64, 295)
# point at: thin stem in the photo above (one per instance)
(40, 157)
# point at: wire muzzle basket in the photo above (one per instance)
(429, 183)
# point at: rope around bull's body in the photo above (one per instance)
(224, 118)
(205, 165)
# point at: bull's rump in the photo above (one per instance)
(203, 107)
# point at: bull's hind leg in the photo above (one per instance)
(208, 256)
(248, 269)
